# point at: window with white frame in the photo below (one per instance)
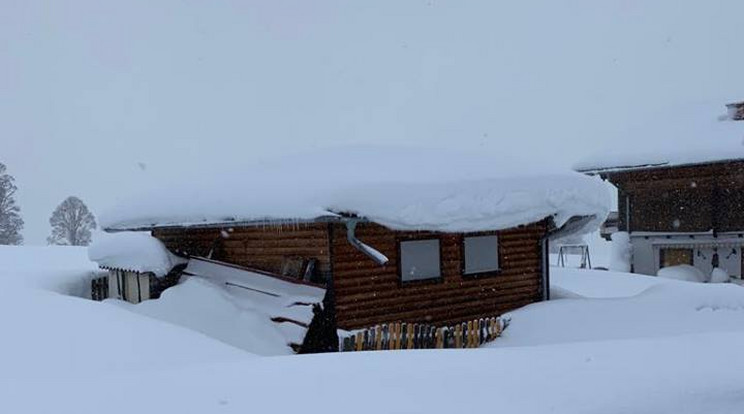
(419, 260)
(481, 254)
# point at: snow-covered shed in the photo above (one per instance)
(681, 202)
(139, 266)
(407, 240)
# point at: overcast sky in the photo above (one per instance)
(99, 98)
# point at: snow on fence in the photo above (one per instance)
(469, 334)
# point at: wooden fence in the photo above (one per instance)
(469, 334)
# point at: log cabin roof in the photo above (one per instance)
(402, 189)
(696, 134)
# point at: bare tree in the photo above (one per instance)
(11, 222)
(71, 223)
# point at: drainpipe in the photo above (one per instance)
(373, 253)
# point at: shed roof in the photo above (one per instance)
(401, 188)
(132, 251)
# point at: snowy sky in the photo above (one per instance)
(99, 98)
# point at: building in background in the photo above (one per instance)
(685, 207)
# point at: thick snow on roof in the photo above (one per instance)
(401, 188)
(133, 251)
(692, 134)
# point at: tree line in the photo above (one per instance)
(71, 222)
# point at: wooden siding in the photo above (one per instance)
(696, 198)
(262, 247)
(368, 294)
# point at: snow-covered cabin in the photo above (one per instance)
(407, 241)
(683, 205)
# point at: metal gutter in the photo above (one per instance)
(371, 252)
(228, 223)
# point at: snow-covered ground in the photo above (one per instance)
(610, 343)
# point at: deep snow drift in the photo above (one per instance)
(50, 334)
(401, 188)
(620, 344)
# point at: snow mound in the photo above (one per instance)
(621, 252)
(685, 273)
(205, 307)
(719, 275)
(624, 306)
(258, 313)
(60, 269)
(405, 189)
(51, 336)
(133, 251)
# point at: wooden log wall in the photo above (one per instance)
(695, 198)
(260, 247)
(368, 294)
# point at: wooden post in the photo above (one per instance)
(385, 336)
(359, 341)
(378, 338)
(393, 336)
(410, 337)
(458, 336)
(469, 336)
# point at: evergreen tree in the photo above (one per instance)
(11, 222)
(71, 223)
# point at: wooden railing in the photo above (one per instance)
(470, 334)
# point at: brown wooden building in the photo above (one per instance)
(374, 275)
(398, 248)
(688, 210)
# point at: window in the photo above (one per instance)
(419, 260)
(481, 254)
(674, 257)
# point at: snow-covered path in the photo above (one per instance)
(630, 345)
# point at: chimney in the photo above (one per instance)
(736, 111)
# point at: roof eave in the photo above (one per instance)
(227, 223)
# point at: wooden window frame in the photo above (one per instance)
(662, 254)
(480, 275)
(434, 280)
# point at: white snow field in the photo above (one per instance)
(608, 342)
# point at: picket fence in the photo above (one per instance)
(470, 334)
